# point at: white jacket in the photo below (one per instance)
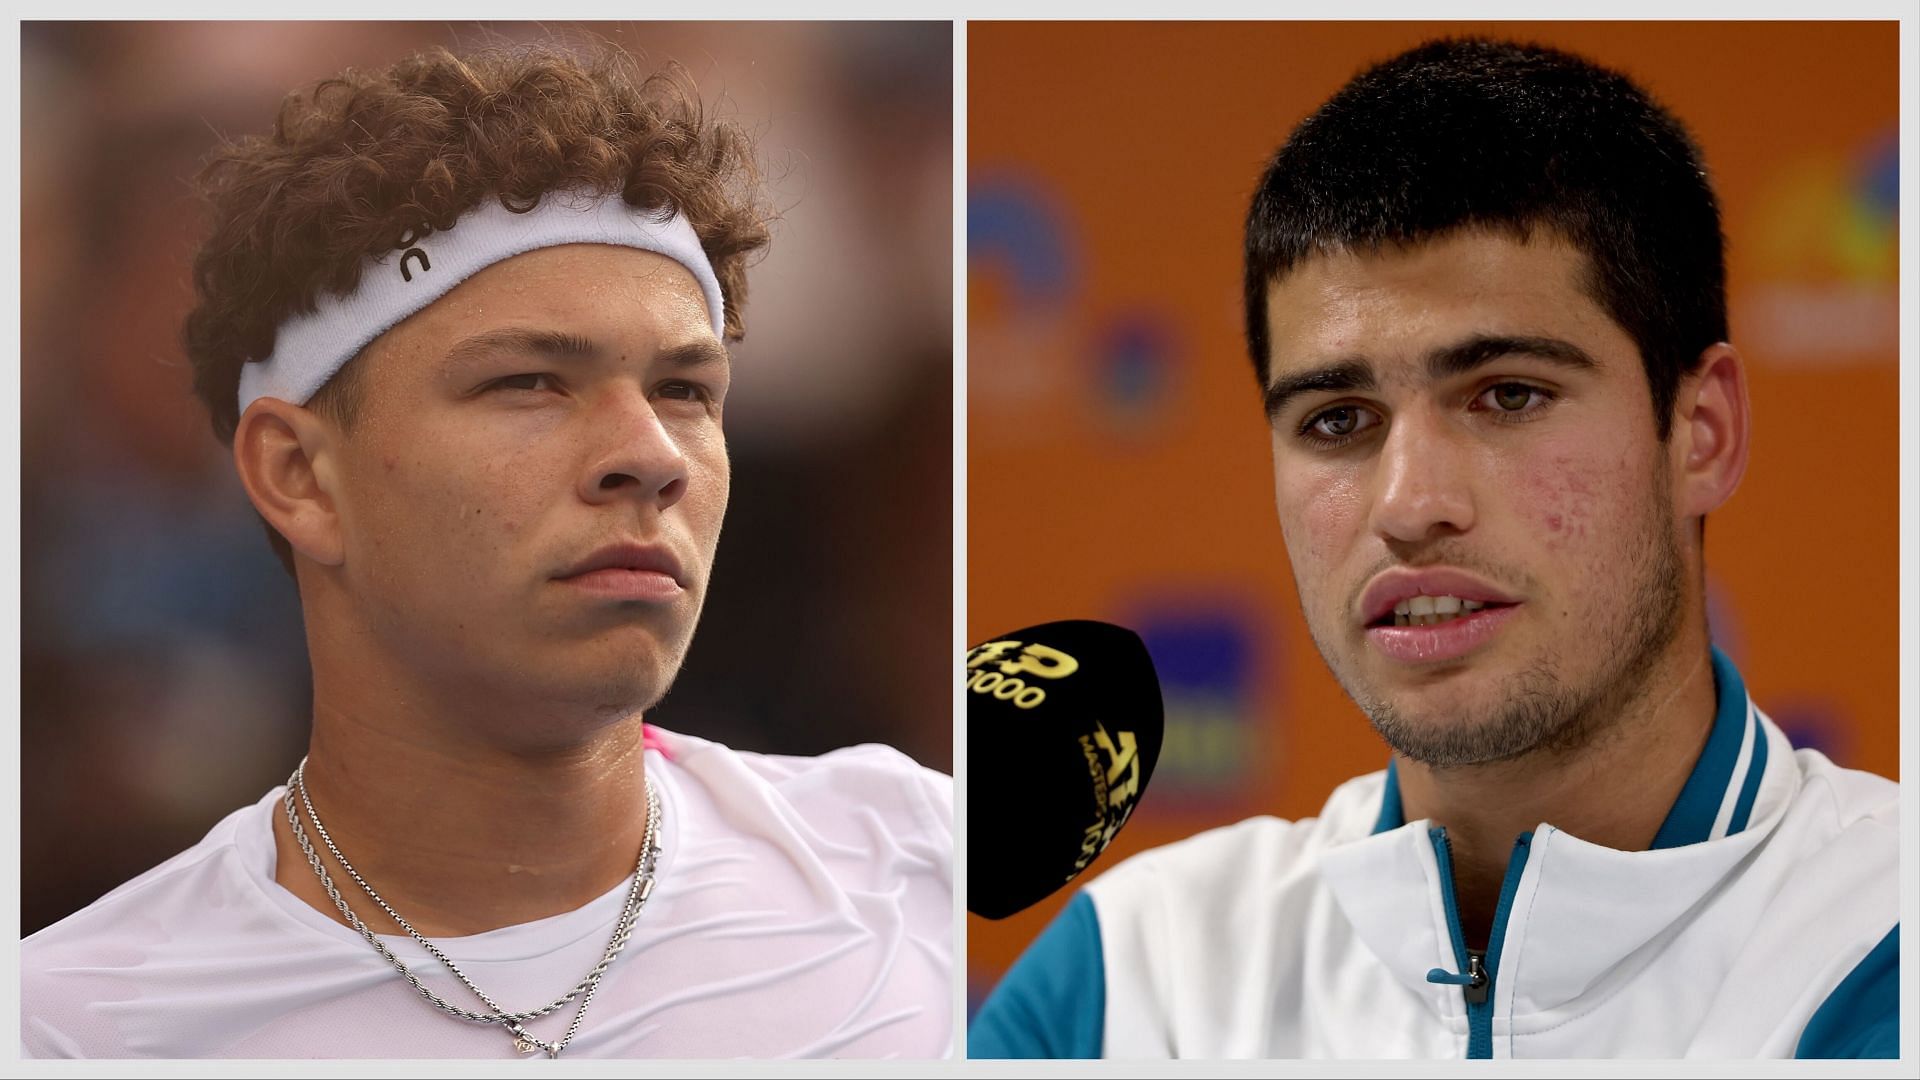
(1772, 890)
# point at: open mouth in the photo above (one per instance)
(1432, 610)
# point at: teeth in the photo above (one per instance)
(1428, 610)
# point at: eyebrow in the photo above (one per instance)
(1481, 349)
(564, 345)
(1445, 362)
(700, 353)
(556, 344)
(1332, 379)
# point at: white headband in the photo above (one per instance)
(309, 349)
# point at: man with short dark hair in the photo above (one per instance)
(463, 322)
(1484, 300)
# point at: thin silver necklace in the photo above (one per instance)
(523, 1041)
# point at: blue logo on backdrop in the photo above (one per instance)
(1043, 347)
(1013, 225)
(1207, 656)
(1135, 359)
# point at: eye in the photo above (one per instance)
(1331, 427)
(1514, 399)
(681, 390)
(531, 380)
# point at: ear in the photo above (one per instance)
(1710, 432)
(286, 459)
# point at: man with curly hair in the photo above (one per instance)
(463, 323)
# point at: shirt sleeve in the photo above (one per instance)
(1052, 1002)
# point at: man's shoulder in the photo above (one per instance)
(186, 876)
(1831, 853)
(1842, 798)
(854, 786)
(164, 925)
(1835, 823)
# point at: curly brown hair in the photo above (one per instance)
(358, 160)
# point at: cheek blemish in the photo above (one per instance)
(1568, 521)
(1562, 500)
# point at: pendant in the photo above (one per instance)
(527, 1044)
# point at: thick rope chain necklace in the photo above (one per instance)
(523, 1041)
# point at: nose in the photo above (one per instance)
(1424, 483)
(634, 456)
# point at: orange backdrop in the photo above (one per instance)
(1117, 455)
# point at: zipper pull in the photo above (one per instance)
(1474, 982)
(1477, 981)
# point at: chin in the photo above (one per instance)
(603, 681)
(635, 688)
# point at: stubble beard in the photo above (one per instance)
(1541, 711)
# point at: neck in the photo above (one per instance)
(1615, 790)
(460, 832)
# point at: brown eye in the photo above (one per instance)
(1335, 426)
(1337, 422)
(1512, 397)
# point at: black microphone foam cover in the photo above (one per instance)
(1064, 725)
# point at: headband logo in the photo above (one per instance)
(407, 239)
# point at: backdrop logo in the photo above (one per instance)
(1825, 259)
(1134, 369)
(1039, 347)
(1022, 279)
(1015, 229)
(1208, 656)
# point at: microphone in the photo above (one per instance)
(1064, 725)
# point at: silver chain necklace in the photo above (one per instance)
(523, 1041)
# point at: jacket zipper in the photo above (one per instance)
(1477, 969)
(1479, 984)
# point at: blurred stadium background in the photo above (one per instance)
(1110, 167)
(164, 678)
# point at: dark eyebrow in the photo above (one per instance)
(1462, 357)
(1332, 379)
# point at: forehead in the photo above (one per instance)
(1396, 304)
(639, 298)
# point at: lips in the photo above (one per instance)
(1474, 612)
(1455, 639)
(629, 558)
(1392, 587)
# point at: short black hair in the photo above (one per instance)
(1474, 133)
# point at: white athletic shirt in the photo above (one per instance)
(802, 907)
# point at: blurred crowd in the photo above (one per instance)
(164, 679)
